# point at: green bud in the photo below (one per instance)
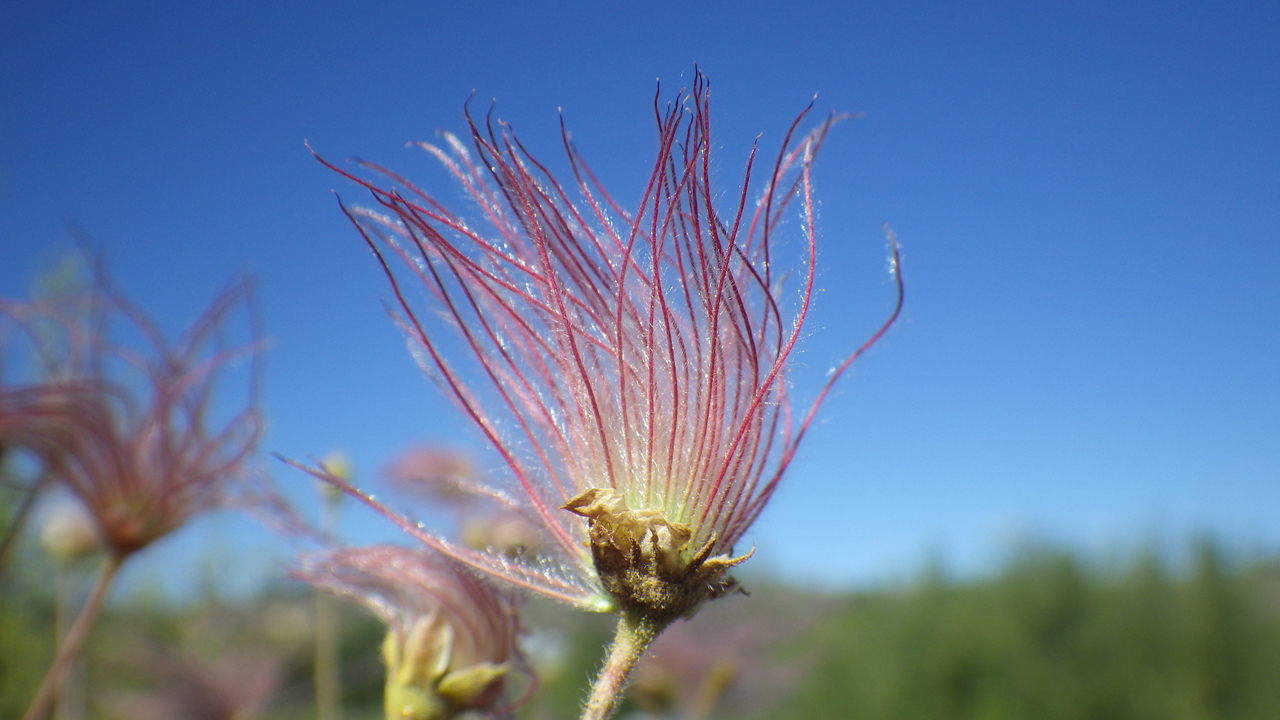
(410, 692)
(339, 464)
(472, 687)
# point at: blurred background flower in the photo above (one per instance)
(452, 640)
(118, 417)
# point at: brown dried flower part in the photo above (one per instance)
(646, 562)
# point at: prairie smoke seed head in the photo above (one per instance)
(126, 428)
(629, 365)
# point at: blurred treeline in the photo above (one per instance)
(1049, 637)
(1053, 638)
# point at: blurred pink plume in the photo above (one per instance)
(121, 417)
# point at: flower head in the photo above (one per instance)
(628, 365)
(451, 640)
(488, 520)
(437, 473)
(124, 425)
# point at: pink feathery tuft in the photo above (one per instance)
(641, 351)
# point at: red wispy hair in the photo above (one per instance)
(641, 351)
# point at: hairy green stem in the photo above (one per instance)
(634, 635)
(74, 640)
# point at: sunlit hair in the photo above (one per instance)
(627, 364)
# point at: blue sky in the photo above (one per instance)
(1088, 196)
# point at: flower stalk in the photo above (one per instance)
(634, 635)
(74, 639)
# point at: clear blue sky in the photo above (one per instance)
(1088, 195)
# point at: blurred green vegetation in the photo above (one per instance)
(1053, 638)
(26, 632)
(26, 614)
